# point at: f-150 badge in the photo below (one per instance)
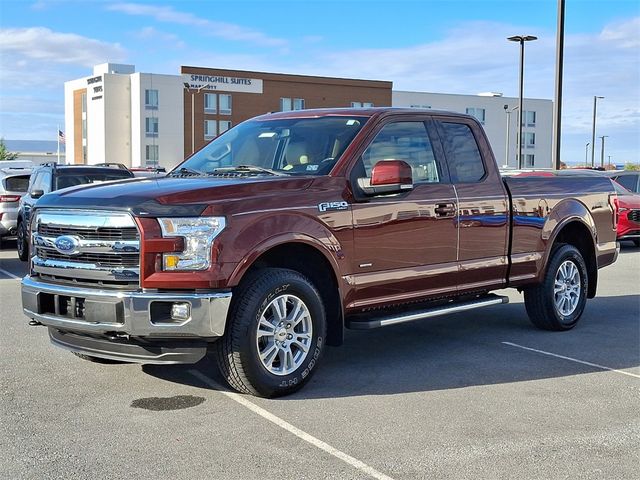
(329, 206)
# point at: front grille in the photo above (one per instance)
(89, 233)
(99, 248)
(634, 216)
(128, 260)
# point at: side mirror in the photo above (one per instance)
(37, 193)
(388, 177)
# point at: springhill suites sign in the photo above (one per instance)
(225, 84)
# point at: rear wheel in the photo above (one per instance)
(22, 244)
(559, 301)
(275, 335)
(636, 242)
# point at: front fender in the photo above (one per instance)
(250, 244)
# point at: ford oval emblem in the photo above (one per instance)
(67, 245)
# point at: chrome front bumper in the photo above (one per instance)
(124, 313)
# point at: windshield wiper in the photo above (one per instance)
(185, 172)
(246, 169)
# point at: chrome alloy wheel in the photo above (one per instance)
(284, 334)
(566, 288)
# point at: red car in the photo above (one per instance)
(629, 215)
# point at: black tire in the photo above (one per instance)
(540, 300)
(104, 361)
(22, 244)
(636, 242)
(238, 351)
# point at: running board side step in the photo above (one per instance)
(485, 301)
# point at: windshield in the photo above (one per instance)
(292, 146)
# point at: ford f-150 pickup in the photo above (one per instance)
(266, 244)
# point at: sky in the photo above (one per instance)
(454, 46)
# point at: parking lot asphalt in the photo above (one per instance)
(481, 394)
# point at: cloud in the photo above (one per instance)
(43, 44)
(154, 35)
(227, 31)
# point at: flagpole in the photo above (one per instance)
(58, 137)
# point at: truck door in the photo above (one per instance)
(406, 243)
(483, 206)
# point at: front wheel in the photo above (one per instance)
(275, 334)
(559, 301)
(22, 242)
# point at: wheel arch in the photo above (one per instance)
(575, 231)
(309, 257)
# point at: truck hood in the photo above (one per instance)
(167, 195)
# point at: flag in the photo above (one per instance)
(61, 137)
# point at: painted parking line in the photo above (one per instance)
(242, 400)
(602, 367)
(9, 274)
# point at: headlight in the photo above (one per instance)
(198, 233)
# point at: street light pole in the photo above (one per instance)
(586, 154)
(602, 150)
(506, 153)
(593, 131)
(557, 111)
(521, 39)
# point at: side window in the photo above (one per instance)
(32, 181)
(42, 182)
(627, 181)
(463, 156)
(407, 141)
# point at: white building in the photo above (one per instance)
(499, 116)
(118, 115)
(139, 119)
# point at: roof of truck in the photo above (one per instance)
(354, 112)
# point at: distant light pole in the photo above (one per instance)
(586, 154)
(557, 111)
(521, 39)
(508, 112)
(602, 150)
(193, 91)
(593, 131)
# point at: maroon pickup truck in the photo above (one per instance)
(285, 230)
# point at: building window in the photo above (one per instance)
(209, 129)
(529, 160)
(225, 104)
(298, 103)
(152, 154)
(529, 118)
(224, 126)
(367, 104)
(151, 99)
(356, 104)
(529, 140)
(420, 106)
(210, 100)
(151, 126)
(285, 104)
(478, 113)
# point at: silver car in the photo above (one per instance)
(13, 184)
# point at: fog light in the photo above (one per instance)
(181, 311)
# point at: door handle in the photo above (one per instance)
(445, 210)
